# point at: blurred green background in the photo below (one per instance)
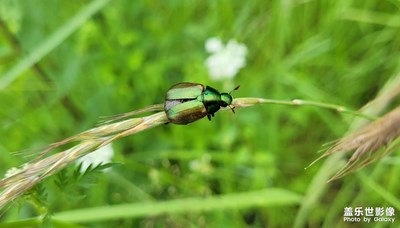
(128, 53)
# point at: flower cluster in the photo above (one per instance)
(225, 60)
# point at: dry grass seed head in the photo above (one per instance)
(366, 142)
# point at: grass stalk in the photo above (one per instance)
(31, 173)
(52, 42)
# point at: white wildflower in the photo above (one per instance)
(214, 45)
(102, 155)
(225, 61)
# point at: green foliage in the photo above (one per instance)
(63, 64)
(75, 183)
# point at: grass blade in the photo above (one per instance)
(52, 42)
(261, 198)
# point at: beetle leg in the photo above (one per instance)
(232, 108)
(209, 117)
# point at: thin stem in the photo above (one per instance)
(250, 101)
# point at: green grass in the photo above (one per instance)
(63, 64)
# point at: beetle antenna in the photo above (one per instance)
(236, 88)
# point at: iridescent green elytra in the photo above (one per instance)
(187, 102)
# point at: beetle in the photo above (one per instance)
(187, 102)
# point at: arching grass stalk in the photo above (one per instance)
(19, 180)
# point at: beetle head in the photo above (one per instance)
(227, 99)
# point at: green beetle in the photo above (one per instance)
(187, 102)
